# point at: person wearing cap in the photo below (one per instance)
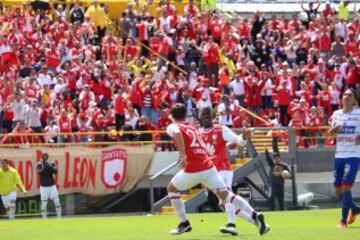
(9, 182)
(46, 170)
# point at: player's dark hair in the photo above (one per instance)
(353, 90)
(276, 154)
(5, 160)
(178, 112)
(208, 110)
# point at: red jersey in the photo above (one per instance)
(120, 105)
(216, 146)
(195, 149)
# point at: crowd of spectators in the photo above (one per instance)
(72, 70)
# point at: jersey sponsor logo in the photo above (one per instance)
(210, 149)
(348, 130)
(113, 167)
(344, 139)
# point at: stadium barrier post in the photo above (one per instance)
(151, 195)
(292, 153)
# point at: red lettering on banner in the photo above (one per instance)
(29, 169)
(84, 176)
(67, 183)
(20, 170)
(76, 172)
(92, 174)
(38, 159)
(57, 175)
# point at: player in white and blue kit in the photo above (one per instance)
(346, 126)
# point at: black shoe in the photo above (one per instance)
(182, 228)
(229, 228)
(260, 221)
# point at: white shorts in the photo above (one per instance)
(48, 193)
(227, 177)
(8, 198)
(210, 178)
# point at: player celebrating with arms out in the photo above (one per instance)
(9, 180)
(346, 126)
(48, 189)
(216, 137)
(197, 167)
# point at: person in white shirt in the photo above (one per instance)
(238, 88)
(33, 113)
(267, 92)
(225, 110)
(45, 77)
(18, 106)
(345, 125)
(335, 97)
(53, 130)
(341, 29)
(202, 103)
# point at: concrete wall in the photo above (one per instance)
(307, 160)
(315, 160)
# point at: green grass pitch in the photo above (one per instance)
(294, 225)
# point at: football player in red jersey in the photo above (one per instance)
(216, 137)
(197, 167)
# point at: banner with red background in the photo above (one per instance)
(93, 171)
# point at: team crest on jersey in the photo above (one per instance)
(214, 137)
(113, 167)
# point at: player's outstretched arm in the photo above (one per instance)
(334, 130)
(231, 137)
(19, 182)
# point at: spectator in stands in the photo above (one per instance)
(77, 13)
(226, 109)
(60, 62)
(343, 10)
(312, 11)
(98, 16)
(33, 113)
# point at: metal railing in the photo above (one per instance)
(154, 205)
(113, 137)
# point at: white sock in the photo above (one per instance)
(12, 211)
(44, 209)
(247, 217)
(57, 207)
(179, 205)
(230, 210)
(240, 203)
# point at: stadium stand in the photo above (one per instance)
(64, 70)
